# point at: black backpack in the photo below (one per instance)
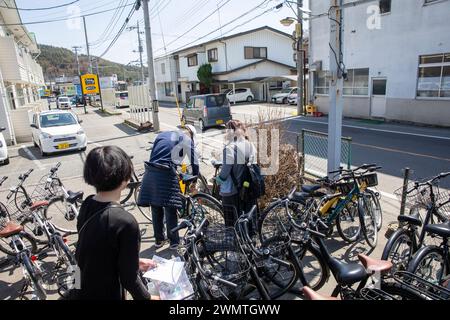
(253, 186)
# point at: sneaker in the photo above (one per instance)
(159, 244)
(174, 246)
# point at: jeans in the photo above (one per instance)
(158, 214)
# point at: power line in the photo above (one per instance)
(228, 23)
(206, 18)
(110, 27)
(63, 19)
(37, 9)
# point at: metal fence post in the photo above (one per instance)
(405, 189)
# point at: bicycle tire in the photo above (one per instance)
(351, 213)
(20, 199)
(368, 222)
(303, 252)
(8, 250)
(390, 251)
(35, 277)
(130, 190)
(421, 256)
(59, 215)
(377, 208)
(213, 203)
(202, 185)
(146, 211)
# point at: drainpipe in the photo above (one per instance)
(226, 55)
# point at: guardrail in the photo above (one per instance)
(140, 104)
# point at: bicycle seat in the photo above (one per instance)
(187, 178)
(38, 204)
(311, 188)
(10, 229)
(374, 265)
(74, 196)
(347, 273)
(300, 197)
(310, 294)
(442, 229)
(412, 219)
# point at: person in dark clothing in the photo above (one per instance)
(160, 188)
(108, 245)
(238, 151)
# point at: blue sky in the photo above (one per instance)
(175, 18)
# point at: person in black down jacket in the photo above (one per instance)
(109, 240)
(160, 188)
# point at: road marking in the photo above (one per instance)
(299, 119)
(401, 151)
(33, 158)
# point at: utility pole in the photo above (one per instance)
(151, 72)
(141, 50)
(336, 85)
(300, 58)
(87, 45)
(75, 48)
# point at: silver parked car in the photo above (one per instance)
(207, 110)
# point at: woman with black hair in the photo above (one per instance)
(109, 239)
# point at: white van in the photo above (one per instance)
(122, 99)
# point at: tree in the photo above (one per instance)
(204, 75)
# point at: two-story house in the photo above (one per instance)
(20, 75)
(397, 55)
(241, 60)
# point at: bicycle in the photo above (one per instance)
(407, 239)
(23, 257)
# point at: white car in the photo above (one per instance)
(3, 148)
(292, 99)
(55, 131)
(240, 94)
(63, 103)
(283, 95)
(122, 99)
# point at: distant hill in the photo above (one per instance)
(56, 61)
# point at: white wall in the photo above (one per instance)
(408, 31)
(187, 72)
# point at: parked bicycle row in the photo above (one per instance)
(232, 248)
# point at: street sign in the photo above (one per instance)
(90, 84)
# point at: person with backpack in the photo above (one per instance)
(238, 183)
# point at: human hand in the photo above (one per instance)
(146, 264)
(155, 298)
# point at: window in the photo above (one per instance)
(357, 83)
(385, 6)
(198, 103)
(322, 82)
(212, 55)
(434, 76)
(192, 60)
(255, 53)
(168, 89)
(163, 68)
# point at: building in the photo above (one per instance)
(21, 76)
(108, 82)
(240, 60)
(398, 62)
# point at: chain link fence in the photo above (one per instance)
(313, 146)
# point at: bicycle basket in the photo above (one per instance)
(421, 287)
(218, 238)
(371, 179)
(443, 201)
(414, 195)
(375, 294)
(344, 187)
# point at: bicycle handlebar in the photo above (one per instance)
(3, 180)
(55, 168)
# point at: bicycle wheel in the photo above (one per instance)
(62, 214)
(377, 208)
(128, 192)
(430, 263)
(368, 221)
(206, 206)
(65, 277)
(314, 268)
(146, 211)
(271, 221)
(20, 200)
(27, 239)
(399, 250)
(34, 275)
(202, 185)
(348, 222)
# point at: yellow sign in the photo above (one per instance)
(89, 84)
(47, 93)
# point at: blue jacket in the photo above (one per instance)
(160, 186)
